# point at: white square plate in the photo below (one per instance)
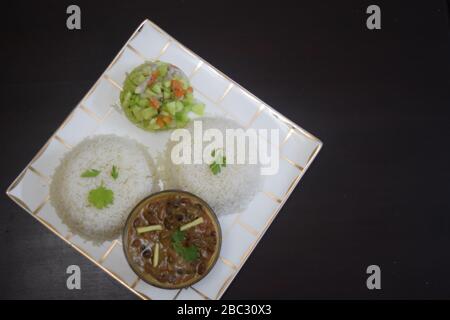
(97, 113)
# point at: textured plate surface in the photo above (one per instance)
(98, 113)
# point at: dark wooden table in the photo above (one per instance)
(378, 193)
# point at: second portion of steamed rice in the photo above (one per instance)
(69, 191)
(227, 192)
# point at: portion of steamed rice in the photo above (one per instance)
(227, 192)
(69, 191)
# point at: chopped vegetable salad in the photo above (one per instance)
(158, 96)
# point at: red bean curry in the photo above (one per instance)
(172, 239)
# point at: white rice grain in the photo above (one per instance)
(69, 191)
(227, 192)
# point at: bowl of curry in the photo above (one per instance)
(172, 239)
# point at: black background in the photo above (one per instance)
(378, 192)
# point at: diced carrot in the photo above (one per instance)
(167, 119)
(177, 88)
(153, 78)
(179, 93)
(160, 121)
(190, 90)
(176, 84)
(154, 103)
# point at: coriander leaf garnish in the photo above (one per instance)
(114, 172)
(90, 173)
(178, 236)
(219, 161)
(215, 168)
(101, 197)
(187, 253)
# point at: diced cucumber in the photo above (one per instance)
(135, 81)
(147, 69)
(189, 98)
(147, 113)
(181, 116)
(166, 94)
(134, 100)
(163, 70)
(171, 107)
(167, 84)
(156, 88)
(141, 78)
(152, 124)
(198, 109)
(128, 86)
(179, 106)
(135, 110)
(187, 108)
(143, 102)
(148, 93)
(137, 113)
(126, 99)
